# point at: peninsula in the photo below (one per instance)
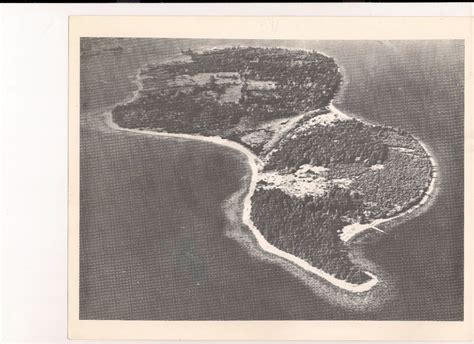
(319, 176)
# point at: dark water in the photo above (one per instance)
(152, 238)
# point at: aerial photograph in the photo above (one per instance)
(271, 179)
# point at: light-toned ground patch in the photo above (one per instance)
(232, 94)
(256, 137)
(308, 169)
(182, 80)
(324, 119)
(353, 229)
(308, 180)
(403, 150)
(232, 81)
(200, 79)
(280, 127)
(342, 182)
(377, 167)
(254, 85)
(294, 185)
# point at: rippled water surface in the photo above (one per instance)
(152, 229)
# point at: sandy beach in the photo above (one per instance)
(348, 232)
(351, 231)
(252, 160)
(169, 210)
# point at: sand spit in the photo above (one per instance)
(253, 161)
(351, 231)
(256, 164)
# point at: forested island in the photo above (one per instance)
(320, 171)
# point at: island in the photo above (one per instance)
(320, 177)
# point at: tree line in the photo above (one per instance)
(309, 228)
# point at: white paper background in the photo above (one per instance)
(33, 123)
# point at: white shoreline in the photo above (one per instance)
(351, 231)
(254, 163)
(246, 219)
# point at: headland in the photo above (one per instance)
(318, 176)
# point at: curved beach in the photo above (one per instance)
(253, 162)
(175, 223)
(348, 233)
(264, 244)
(351, 231)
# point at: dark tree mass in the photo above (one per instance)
(256, 85)
(317, 176)
(346, 142)
(308, 228)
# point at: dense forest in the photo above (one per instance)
(344, 142)
(230, 92)
(302, 81)
(309, 228)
